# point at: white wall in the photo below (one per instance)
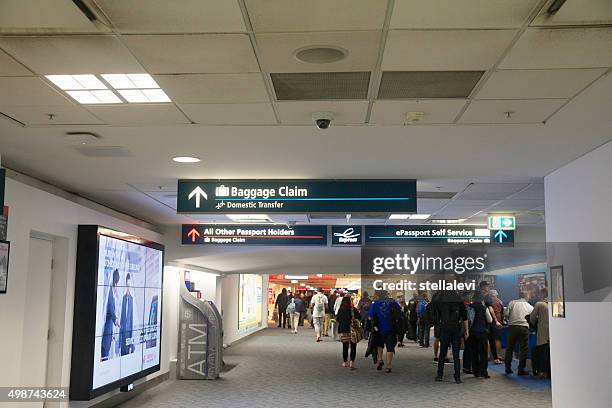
(229, 308)
(578, 205)
(35, 211)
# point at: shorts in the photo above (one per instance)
(388, 341)
(495, 332)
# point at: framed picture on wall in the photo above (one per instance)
(5, 247)
(557, 291)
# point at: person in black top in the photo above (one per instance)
(479, 336)
(281, 303)
(450, 313)
(412, 317)
(345, 315)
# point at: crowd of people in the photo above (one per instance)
(472, 322)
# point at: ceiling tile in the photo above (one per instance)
(449, 50)
(461, 14)
(429, 205)
(214, 88)
(10, 67)
(577, 12)
(138, 115)
(29, 91)
(195, 53)
(522, 111)
(537, 83)
(230, 113)
(39, 115)
(436, 111)
(316, 15)
(300, 113)
(277, 51)
(533, 192)
(461, 202)
(517, 205)
(80, 54)
(501, 189)
(163, 16)
(35, 16)
(561, 48)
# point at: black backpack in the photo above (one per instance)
(450, 317)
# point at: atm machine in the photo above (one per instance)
(200, 349)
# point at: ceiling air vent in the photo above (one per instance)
(321, 85)
(427, 84)
(104, 151)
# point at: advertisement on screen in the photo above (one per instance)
(128, 313)
(250, 302)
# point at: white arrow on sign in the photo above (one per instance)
(507, 222)
(198, 193)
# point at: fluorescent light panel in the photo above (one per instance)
(409, 216)
(94, 97)
(130, 81)
(248, 217)
(143, 95)
(76, 82)
(134, 88)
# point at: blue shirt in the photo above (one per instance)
(383, 309)
(422, 309)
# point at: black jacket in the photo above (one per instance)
(344, 319)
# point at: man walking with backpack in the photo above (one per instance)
(318, 304)
(451, 315)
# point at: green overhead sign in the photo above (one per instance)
(502, 222)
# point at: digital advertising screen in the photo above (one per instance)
(127, 310)
(117, 311)
(250, 302)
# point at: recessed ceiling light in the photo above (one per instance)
(399, 216)
(76, 82)
(186, 159)
(94, 97)
(130, 81)
(320, 54)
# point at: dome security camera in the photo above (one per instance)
(322, 119)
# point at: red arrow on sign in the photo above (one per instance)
(193, 234)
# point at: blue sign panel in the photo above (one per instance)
(235, 234)
(395, 235)
(296, 196)
(346, 235)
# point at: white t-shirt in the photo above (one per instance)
(318, 302)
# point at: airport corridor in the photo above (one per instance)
(274, 366)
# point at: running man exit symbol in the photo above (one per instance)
(198, 193)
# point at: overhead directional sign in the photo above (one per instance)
(232, 234)
(296, 196)
(396, 235)
(502, 236)
(502, 222)
(346, 235)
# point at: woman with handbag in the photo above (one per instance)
(349, 327)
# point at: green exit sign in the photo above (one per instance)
(502, 222)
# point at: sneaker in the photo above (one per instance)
(379, 367)
(458, 380)
(438, 379)
(509, 371)
(435, 359)
(447, 361)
